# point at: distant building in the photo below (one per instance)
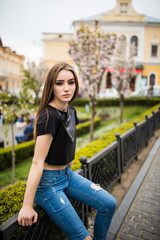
(123, 19)
(10, 69)
(56, 48)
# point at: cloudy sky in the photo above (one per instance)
(22, 22)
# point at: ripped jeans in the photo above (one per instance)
(52, 195)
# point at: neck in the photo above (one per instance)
(59, 106)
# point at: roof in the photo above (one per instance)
(152, 20)
(99, 17)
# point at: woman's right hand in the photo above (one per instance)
(27, 216)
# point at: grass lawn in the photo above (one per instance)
(113, 121)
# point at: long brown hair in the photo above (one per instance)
(48, 93)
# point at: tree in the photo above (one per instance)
(11, 107)
(34, 77)
(123, 69)
(91, 51)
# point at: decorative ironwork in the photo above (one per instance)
(128, 147)
(105, 170)
(151, 127)
(142, 135)
(157, 119)
(44, 229)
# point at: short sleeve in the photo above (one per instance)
(47, 123)
(75, 113)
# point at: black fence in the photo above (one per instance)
(104, 168)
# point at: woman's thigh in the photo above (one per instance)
(58, 207)
(92, 194)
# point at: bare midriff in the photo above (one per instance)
(52, 167)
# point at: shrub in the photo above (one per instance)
(116, 102)
(85, 127)
(11, 200)
(22, 152)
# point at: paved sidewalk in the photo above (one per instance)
(138, 216)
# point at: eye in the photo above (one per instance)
(72, 82)
(59, 83)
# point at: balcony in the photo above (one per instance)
(3, 75)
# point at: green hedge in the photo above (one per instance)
(26, 150)
(115, 102)
(85, 127)
(11, 198)
(22, 152)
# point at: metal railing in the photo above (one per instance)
(104, 168)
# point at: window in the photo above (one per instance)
(134, 39)
(152, 79)
(123, 7)
(154, 50)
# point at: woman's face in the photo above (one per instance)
(64, 86)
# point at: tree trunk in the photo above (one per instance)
(13, 152)
(93, 104)
(121, 108)
(37, 99)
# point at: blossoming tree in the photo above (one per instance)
(11, 107)
(91, 50)
(123, 69)
(34, 77)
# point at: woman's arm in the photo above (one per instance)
(27, 215)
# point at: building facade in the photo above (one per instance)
(123, 19)
(10, 69)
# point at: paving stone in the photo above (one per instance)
(130, 223)
(153, 221)
(147, 236)
(137, 219)
(157, 238)
(140, 227)
(125, 229)
(135, 232)
(154, 230)
(124, 237)
(134, 238)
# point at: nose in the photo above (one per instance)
(66, 88)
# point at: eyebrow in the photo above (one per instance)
(64, 80)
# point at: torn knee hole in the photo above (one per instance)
(95, 187)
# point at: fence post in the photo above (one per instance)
(137, 140)
(147, 130)
(120, 151)
(83, 160)
(154, 120)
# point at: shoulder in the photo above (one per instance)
(71, 108)
(47, 113)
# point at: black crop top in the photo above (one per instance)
(62, 125)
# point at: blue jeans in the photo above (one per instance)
(52, 195)
(20, 138)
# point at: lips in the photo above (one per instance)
(66, 95)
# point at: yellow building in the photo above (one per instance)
(10, 69)
(56, 48)
(123, 19)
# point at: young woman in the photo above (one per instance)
(51, 180)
